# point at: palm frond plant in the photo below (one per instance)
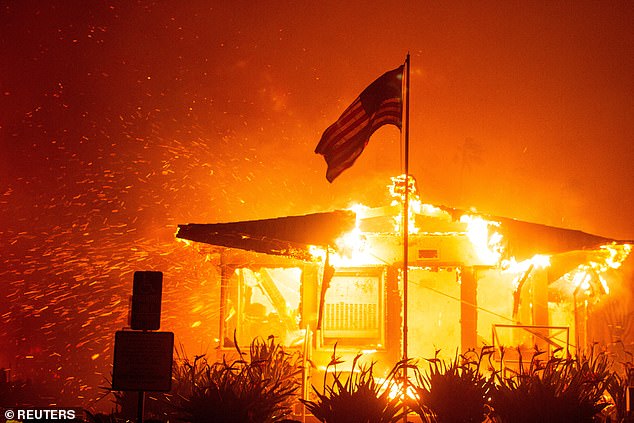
(560, 389)
(616, 393)
(356, 398)
(454, 392)
(260, 389)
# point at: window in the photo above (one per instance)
(263, 302)
(354, 308)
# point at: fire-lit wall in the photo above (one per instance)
(434, 313)
(456, 302)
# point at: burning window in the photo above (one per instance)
(263, 302)
(354, 308)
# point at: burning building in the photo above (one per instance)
(331, 278)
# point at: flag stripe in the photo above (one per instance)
(379, 104)
(346, 126)
(350, 119)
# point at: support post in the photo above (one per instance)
(140, 404)
(468, 308)
(406, 238)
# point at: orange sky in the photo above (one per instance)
(521, 109)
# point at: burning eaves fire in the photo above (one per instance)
(439, 237)
(485, 238)
(351, 248)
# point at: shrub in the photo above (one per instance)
(357, 399)
(557, 390)
(453, 393)
(258, 390)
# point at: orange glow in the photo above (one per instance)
(538, 261)
(415, 206)
(183, 240)
(357, 248)
(581, 279)
(604, 284)
(351, 250)
(396, 389)
(352, 243)
(433, 211)
(359, 210)
(610, 257)
(615, 255)
(488, 246)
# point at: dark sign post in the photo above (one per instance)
(142, 362)
(629, 395)
(142, 359)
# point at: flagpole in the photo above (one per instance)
(406, 237)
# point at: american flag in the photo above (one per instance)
(381, 103)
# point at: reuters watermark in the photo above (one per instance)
(34, 414)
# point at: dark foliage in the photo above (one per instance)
(561, 389)
(357, 398)
(455, 392)
(259, 390)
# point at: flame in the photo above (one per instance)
(415, 206)
(359, 211)
(604, 284)
(351, 247)
(183, 240)
(433, 211)
(614, 256)
(352, 250)
(488, 246)
(581, 279)
(538, 261)
(395, 389)
(611, 256)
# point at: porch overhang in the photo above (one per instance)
(287, 236)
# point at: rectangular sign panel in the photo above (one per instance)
(143, 361)
(146, 300)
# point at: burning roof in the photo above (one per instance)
(438, 233)
(292, 235)
(289, 236)
(523, 240)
